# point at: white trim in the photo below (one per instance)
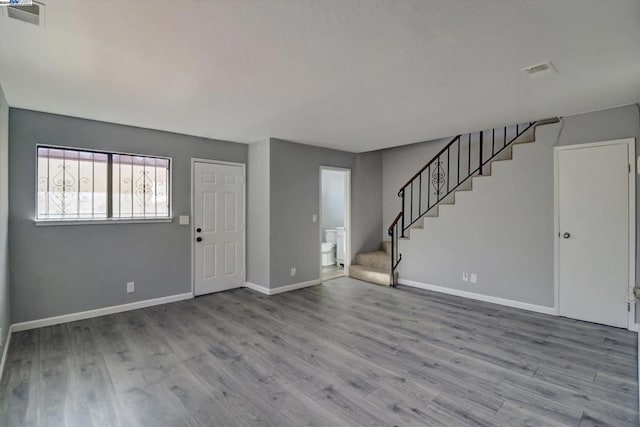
(32, 324)
(480, 297)
(347, 216)
(294, 286)
(281, 289)
(195, 160)
(257, 288)
(5, 351)
(631, 325)
(53, 222)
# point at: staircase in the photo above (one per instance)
(465, 158)
(374, 267)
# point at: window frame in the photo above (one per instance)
(108, 220)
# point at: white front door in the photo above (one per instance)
(218, 222)
(593, 220)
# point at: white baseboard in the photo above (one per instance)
(480, 297)
(294, 286)
(257, 288)
(281, 289)
(32, 324)
(5, 350)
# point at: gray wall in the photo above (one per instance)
(258, 213)
(64, 269)
(503, 229)
(333, 200)
(295, 198)
(5, 312)
(366, 202)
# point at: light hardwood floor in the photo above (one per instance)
(343, 353)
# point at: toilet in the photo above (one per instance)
(328, 248)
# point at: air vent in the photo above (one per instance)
(31, 14)
(540, 70)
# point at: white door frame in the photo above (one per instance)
(347, 217)
(630, 142)
(195, 160)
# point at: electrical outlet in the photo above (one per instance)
(465, 277)
(474, 278)
(293, 271)
(131, 287)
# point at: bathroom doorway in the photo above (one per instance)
(335, 222)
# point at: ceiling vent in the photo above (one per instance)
(540, 70)
(31, 14)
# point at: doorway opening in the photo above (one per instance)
(335, 207)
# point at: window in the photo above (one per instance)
(90, 185)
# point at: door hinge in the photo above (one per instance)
(629, 307)
(629, 167)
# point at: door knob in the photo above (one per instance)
(198, 230)
(566, 235)
(199, 239)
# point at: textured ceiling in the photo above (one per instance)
(353, 75)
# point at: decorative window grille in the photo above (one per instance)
(85, 185)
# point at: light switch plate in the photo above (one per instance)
(184, 219)
(314, 218)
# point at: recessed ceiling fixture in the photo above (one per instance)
(31, 14)
(540, 70)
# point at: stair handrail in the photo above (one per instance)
(399, 225)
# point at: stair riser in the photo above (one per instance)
(376, 262)
(377, 278)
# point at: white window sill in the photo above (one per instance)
(51, 222)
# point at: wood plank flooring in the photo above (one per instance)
(343, 353)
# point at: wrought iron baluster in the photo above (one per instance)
(447, 172)
(505, 137)
(403, 211)
(420, 194)
(480, 150)
(469, 152)
(493, 141)
(429, 187)
(458, 168)
(411, 205)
